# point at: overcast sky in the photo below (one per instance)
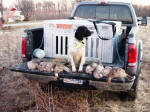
(9, 3)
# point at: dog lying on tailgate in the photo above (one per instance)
(77, 48)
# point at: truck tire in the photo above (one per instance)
(139, 56)
(131, 95)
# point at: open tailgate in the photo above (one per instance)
(82, 76)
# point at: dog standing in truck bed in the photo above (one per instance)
(77, 48)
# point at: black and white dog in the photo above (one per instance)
(77, 48)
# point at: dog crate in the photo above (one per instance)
(58, 33)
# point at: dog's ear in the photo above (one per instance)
(78, 36)
(79, 33)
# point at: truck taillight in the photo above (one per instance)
(132, 55)
(23, 47)
(103, 3)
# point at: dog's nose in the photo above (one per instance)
(92, 32)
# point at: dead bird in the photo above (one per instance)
(97, 72)
(49, 67)
(67, 69)
(42, 66)
(33, 65)
(116, 72)
(106, 71)
(58, 68)
(90, 68)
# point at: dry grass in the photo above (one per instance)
(50, 99)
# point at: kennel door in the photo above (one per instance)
(100, 50)
(60, 45)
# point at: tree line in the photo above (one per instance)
(49, 10)
(142, 10)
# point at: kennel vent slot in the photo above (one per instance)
(66, 45)
(56, 45)
(60, 46)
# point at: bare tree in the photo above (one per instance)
(27, 8)
(48, 5)
(61, 7)
(142, 10)
(38, 6)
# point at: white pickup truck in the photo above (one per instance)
(127, 53)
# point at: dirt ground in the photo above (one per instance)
(17, 94)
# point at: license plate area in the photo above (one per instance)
(73, 81)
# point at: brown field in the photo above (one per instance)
(18, 94)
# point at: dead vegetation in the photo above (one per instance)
(50, 99)
(62, 9)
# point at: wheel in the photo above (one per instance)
(134, 89)
(130, 95)
(139, 56)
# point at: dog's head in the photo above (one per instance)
(82, 32)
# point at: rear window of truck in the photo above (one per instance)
(104, 12)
